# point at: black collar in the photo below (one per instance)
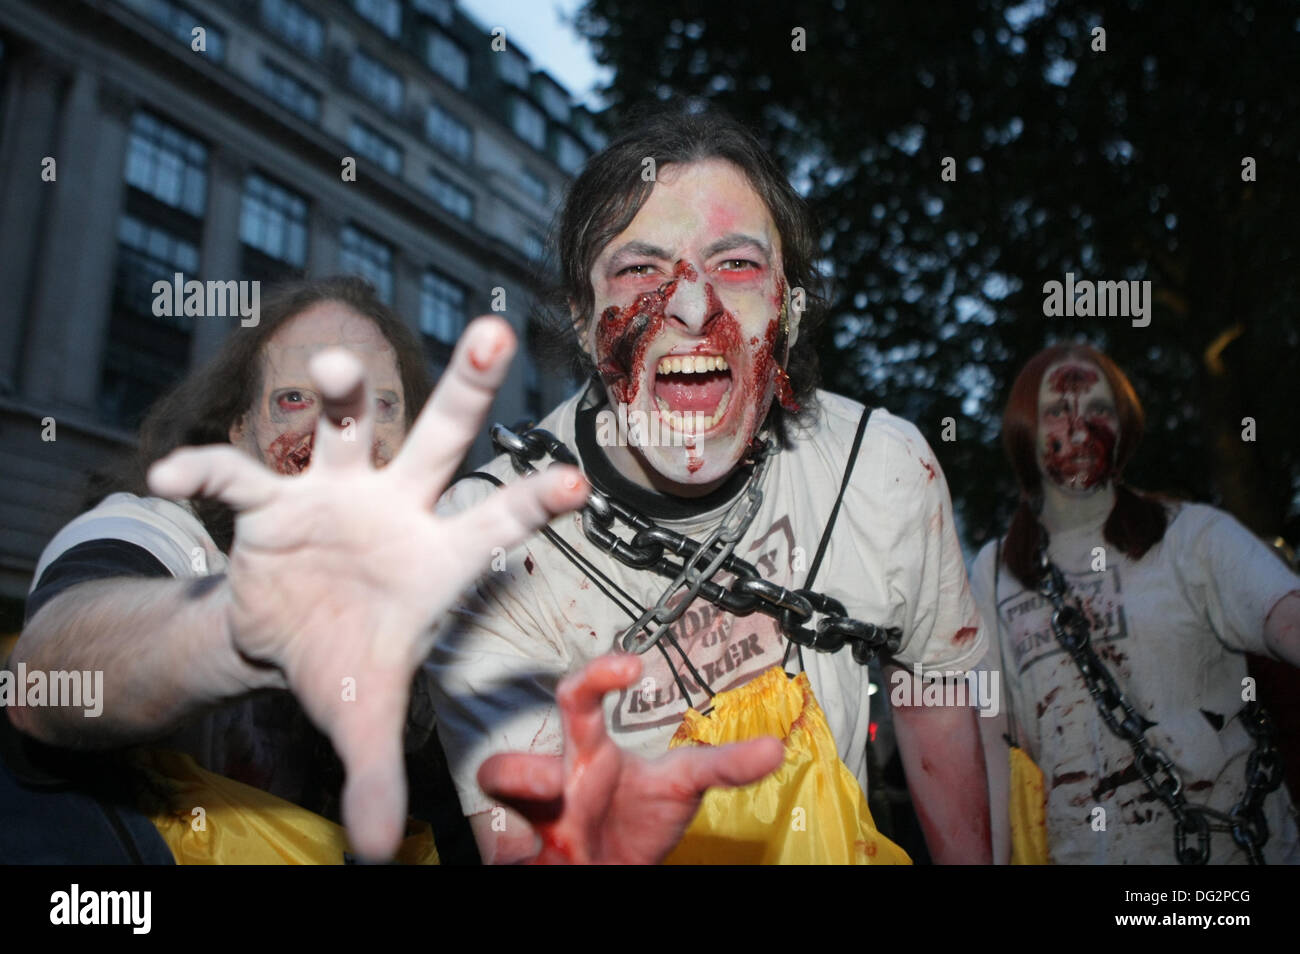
(606, 478)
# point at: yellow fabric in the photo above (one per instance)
(811, 810)
(1028, 811)
(242, 825)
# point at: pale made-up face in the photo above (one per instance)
(280, 427)
(1078, 427)
(687, 328)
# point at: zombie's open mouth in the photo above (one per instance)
(693, 391)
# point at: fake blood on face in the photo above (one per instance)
(290, 453)
(624, 334)
(1084, 463)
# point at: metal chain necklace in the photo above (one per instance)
(1263, 768)
(651, 543)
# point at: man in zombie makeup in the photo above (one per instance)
(1171, 595)
(689, 301)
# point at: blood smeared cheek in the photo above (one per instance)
(769, 378)
(290, 453)
(622, 337)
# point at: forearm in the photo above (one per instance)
(997, 765)
(164, 649)
(944, 761)
(1282, 629)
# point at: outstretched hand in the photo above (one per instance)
(599, 804)
(337, 575)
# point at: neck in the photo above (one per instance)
(1064, 511)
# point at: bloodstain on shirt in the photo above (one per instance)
(965, 634)
(1067, 778)
(528, 564)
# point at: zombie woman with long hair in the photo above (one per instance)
(1101, 588)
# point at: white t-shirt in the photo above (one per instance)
(893, 559)
(256, 740)
(1172, 628)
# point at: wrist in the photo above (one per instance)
(242, 673)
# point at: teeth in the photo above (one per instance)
(692, 364)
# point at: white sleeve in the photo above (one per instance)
(167, 530)
(1229, 575)
(942, 629)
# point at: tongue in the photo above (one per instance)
(692, 392)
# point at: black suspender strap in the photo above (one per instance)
(830, 521)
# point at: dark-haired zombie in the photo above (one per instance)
(299, 551)
(1170, 595)
(689, 303)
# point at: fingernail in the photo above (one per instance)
(482, 355)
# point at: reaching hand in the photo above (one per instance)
(337, 575)
(599, 804)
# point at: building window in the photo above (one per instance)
(144, 355)
(554, 100)
(569, 153)
(167, 164)
(451, 197)
(528, 123)
(534, 185)
(180, 22)
(274, 221)
(147, 254)
(376, 147)
(442, 308)
(448, 133)
(447, 59)
(512, 68)
(292, 23)
(376, 82)
(289, 92)
(586, 125)
(440, 10)
(386, 15)
(362, 254)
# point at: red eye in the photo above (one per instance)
(293, 401)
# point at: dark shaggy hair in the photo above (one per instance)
(203, 407)
(1136, 522)
(609, 193)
